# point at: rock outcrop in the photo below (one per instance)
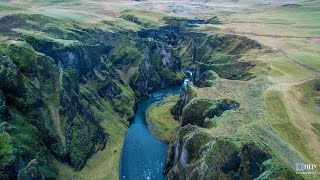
(186, 94)
(10, 162)
(200, 111)
(158, 70)
(31, 171)
(317, 86)
(197, 155)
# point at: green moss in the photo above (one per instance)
(125, 102)
(81, 142)
(136, 20)
(245, 158)
(192, 112)
(68, 79)
(126, 90)
(114, 124)
(195, 144)
(91, 97)
(126, 110)
(23, 55)
(8, 150)
(126, 54)
(209, 123)
(200, 111)
(219, 53)
(3, 106)
(200, 156)
(167, 75)
(27, 137)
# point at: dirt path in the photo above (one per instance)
(298, 62)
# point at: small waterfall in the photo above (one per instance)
(183, 157)
(185, 83)
(190, 73)
(187, 71)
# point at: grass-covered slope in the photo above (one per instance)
(70, 72)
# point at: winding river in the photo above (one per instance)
(143, 155)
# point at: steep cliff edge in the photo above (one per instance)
(68, 92)
(215, 111)
(197, 155)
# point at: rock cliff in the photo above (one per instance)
(197, 155)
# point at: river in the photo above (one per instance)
(143, 155)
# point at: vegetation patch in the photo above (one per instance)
(202, 112)
(185, 22)
(310, 92)
(8, 154)
(160, 120)
(136, 20)
(280, 121)
(316, 129)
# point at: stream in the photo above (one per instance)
(143, 155)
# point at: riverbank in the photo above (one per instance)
(143, 155)
(160, 120)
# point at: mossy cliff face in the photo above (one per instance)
(186, 95)
(197, 155)
(59, 81)
(201, 111)
(218, 56)
(9, 154)
(25, 109)
(157, 56)
(84, 135)
(209, 57)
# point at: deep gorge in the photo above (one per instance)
(61, 81)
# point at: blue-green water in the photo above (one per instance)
(143, 155)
